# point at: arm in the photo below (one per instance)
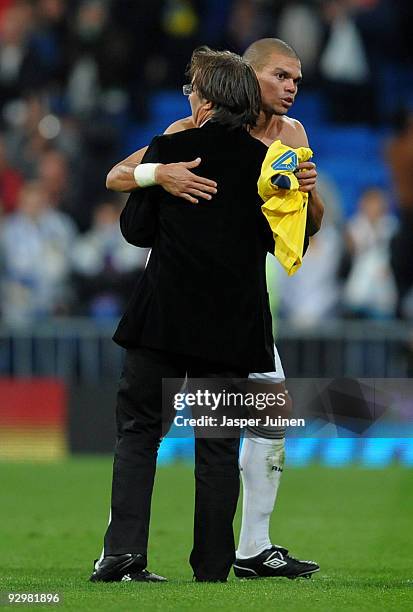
(307, 177)
(315, 213)
(176, 178)
(120, 177)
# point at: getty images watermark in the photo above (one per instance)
(313, 407)
(223, 403)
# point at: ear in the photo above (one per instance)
(208, 106)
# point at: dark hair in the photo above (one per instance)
(230, 83)
(259, 51)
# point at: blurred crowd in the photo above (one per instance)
(74, 75)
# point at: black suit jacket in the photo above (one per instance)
(203, 292)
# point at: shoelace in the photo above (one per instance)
(287, 556)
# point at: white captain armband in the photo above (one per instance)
(144, 175)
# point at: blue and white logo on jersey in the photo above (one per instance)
(287, 161)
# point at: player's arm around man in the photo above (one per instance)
(176, 178)
(180, 180)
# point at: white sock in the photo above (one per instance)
(261, 464)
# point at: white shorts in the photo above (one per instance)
(271, 377)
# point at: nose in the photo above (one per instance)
(290, 86)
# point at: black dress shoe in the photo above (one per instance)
(113, 567)
(143, 576)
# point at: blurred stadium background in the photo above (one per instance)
(83, 84)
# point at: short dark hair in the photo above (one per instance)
(258, 52)
(230, 83)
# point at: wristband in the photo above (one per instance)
(144, 175)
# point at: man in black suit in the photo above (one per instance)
(201, 309)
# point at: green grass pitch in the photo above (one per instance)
(357, 523)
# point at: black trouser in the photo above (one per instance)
(139, 430)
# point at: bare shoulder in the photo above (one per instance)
(179, 126)
(293, 133)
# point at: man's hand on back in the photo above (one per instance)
(178, 180)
